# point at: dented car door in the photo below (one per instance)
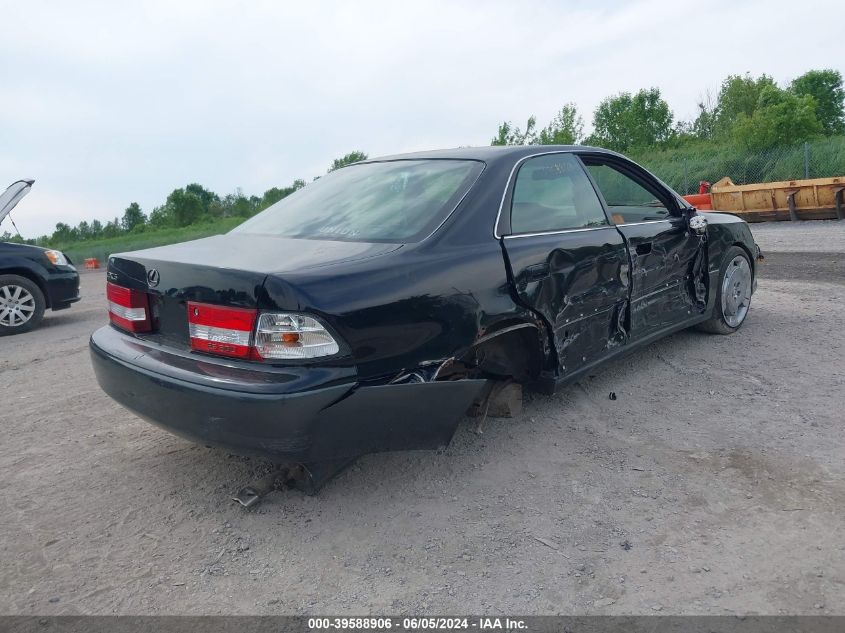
(567, 261)
(661, 249)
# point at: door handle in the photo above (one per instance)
(644, 248)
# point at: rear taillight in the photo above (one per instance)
(292, 336)
(219, 330)
(128, 309)
(243, 333)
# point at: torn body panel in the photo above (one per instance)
(578, 281)
(662, 259)
(335, 419)
(512, 352)
(424, 308)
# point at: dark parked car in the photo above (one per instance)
(369, 310)
(32, 279)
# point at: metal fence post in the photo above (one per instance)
(806, 160)
(686, 178)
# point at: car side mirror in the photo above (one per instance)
(697, 224)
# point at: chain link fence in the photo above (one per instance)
(683, 169)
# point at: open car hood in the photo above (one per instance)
(13, 195)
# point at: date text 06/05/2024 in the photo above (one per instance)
(417, 623)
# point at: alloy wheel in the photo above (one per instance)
(736, 291)
(17, 305)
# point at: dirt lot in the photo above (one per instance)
(715, 484)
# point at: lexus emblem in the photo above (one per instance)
(153, 278)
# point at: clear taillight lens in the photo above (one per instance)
(292, 336)
(128, 309)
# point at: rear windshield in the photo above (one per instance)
(392, 201)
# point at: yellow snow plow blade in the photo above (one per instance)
(815, 199)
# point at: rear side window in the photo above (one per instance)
(391, 201)
(552, 193)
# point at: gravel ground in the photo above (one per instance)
(817, 236)
(714, 483)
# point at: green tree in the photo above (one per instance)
(704, 125)
(207, 197)
(626, 121)
(132, 217)
(274, 194)
(780, 118)
(83, 230)
(508, 134)
(161, 217)
(64, 233)
(15, 238)
(96, 229)
(825, 86)
(739, 95)
(567, 128)
(185, 206)
(351, 157)
(112, 228)
(237, 204)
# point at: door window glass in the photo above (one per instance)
(552, 193)
(627, 200)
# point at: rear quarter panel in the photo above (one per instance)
(416, 307)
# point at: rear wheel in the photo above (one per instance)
(21, 305)
(733, 294)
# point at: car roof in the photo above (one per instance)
(490, 153)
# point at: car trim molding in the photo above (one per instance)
(639, 223)
(557, 232)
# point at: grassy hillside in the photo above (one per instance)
(683, 168)
(101, 249)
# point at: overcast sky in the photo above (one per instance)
(108, 103)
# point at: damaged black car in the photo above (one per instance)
(368, 311)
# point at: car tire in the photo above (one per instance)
(21, 305)
(733, 293)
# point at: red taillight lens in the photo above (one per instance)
(128, 309)
(219, 330)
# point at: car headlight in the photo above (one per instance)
(289, 336)
(57, 258)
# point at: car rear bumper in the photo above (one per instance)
(293, 414)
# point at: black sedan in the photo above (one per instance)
(369, 310)
(32, 279)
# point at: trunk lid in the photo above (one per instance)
(226, 270)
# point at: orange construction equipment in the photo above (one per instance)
(814, 199)
(700, 201)
(92, 263)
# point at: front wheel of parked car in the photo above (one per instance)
(21, 305)
(733, 294)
